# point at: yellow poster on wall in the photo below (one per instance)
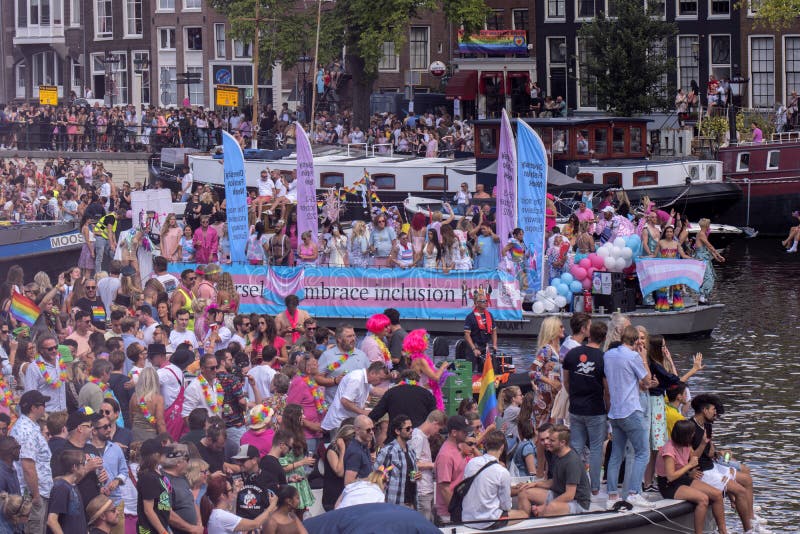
(48, 95)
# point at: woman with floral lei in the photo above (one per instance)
(147, 407)
(379, 326)
(415, 344)
(305, 392)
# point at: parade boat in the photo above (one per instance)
(612, 153)
(19, 241)
(769, 176)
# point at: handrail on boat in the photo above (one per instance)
(369, 150)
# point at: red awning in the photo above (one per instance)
(495, 79)
(523, 75)
(463, 85)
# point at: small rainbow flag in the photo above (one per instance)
(487, 398)
(23, 309)
(517, 251)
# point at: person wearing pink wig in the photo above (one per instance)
(415, 344)
(374, 346)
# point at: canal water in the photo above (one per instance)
(751, 361)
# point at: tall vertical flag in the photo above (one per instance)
(506, 181)
(487, 398)
(306, 188)
(23, 309)
(235, 197)
(531, 198)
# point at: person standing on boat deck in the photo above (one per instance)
(395, 342)
(462, 199)
(705, 252)
(479, 331)
(105, 239)
(381, 241)
(290, 323)
(206, 242)
(335, 362)
(758, 135)
(402, 255)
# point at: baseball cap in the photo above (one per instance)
(608, 209)
(182, 357)
(156, 349)
(458, 422)
(246, 452)
(31, 398)
(84, 414)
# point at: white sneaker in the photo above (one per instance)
(762, 529)
(758, 520)
(611, 502)
(638, 500)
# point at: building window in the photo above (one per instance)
(495, 20)
(133, 18)
(22, 14)
(791, 52)
(556, 9)
(166, 5)
(587, 96)
(166, 38)
(720, 8)
(242, 49)
(584, 9)
(75, 15)
(721, 56)
(192, 4)
(195, 90)
(389, 59)
(557, 66)
(762, 71)
(104, 27)
(219, 41)
(46, 70)
(658, 49)
(687, 8)
(194, 39)
(645, 178)
(20, 75)
(612, 8)
(752, 7)
(144, 96)
(419, 48)
(688, 65)
(656, 8)
(520, 20)
(331, 179)
(169, 86)
(76, 75)
(119, 78)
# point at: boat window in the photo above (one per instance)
(560, 144)
(384, 181)
(618, 140)
(743, 163)
(582, 143)
(434, 182)
(694, 172)
(636, 140)
(711, 173)
(488, 140)
(585, 177)
(774, 159)
(331, 179)
(644, 178)
(612, 178)
(287, 175)
(601, 141)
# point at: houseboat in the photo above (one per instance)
(769, 176)
(613, 152)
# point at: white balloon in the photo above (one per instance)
(610, 263)
(627, 253)
(561, 301)
(550, 306)
(628, 262)
(620, 264)
(616, 251)
(551, 292)
(619, 242)
(538, 307)
(603, 252)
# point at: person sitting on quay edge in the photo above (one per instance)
(479, 330)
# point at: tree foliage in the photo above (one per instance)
(629, 59)
(773, 14)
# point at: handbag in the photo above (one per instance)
(176, 426)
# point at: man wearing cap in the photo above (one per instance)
(44, 375)
(605, 226)
(252, 498)
(184, 517)
(113, 462)
(203, 392)
(79, 427)
(104, 518)
(33, 467)
(450, 463)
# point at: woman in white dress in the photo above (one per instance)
(337, 247)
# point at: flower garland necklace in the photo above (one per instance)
(102, 385)
(7, 398)
(54, 383)
(407, 382)
(316, 392)
(387, 356)
(214, 406)
(341, 361)
(150, 418)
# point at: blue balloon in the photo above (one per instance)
(634, 239)
(575, 286)
(567, 278)
(555, 282)
(563, 290)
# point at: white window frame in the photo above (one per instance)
(186, 7)
(127, 19)
(195, 91)
(550, 64)
(769, 166)
(750, 11)
(678, 15)
(787, 89)
(110, 16)
(607, 10)
(174, 37)
(514, 18)
(751, 91)
(172, 83)
(390, 60)
(76, 82)
(552, 18)
(243, 46)
(161, 3)
(217, 55)
(579, 78)
(578, 10)
(146, 74)
(660, 16)
(20, 71)
(51, 73)
(739, 167)
(411, 55)
(679, 66)
(502, 13)
(120, 72)
(720, 17)
(711, 63)
(186, 39)
(75, 12)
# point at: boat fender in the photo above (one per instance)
(622, 505)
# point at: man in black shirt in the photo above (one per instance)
(252, 498)
(212, 447)
(586, 384)
(357, 460)
(406, 398)
(395, 343)
(568, 491)
(272, 474)
(479, 331)
(92, 305)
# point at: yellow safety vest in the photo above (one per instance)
(101, 227)
(188, 305)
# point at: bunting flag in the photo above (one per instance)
(487, 398)
(23, 309)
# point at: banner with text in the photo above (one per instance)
(531, 193)
(306, 188)
(353, 293)
(493, 42)
(506, 181)
(235, 196)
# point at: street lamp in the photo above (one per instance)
(110, 59)
(304, 62)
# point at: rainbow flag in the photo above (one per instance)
(487, 398)
(517, 251)
(23, 309)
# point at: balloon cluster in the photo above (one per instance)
(618, 255)
(550, 299)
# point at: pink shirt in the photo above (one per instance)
(262, 441)
(679, 454)
(300, 393)
(449, 468)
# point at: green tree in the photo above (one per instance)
(629, 59)
(773, 14)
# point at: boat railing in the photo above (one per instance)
(777, 139)
(370, 150)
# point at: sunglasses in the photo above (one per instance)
(471, 443)
(52, 347)
(107, 412)
(407, 428)
(89, 288)
(104, 427)
(310, 329)
(370, 430)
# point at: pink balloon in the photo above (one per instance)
(590, 272)
(585, 263)
(579, 273)
(587, 283)
(597, 261)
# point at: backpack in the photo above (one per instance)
(455, 508)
